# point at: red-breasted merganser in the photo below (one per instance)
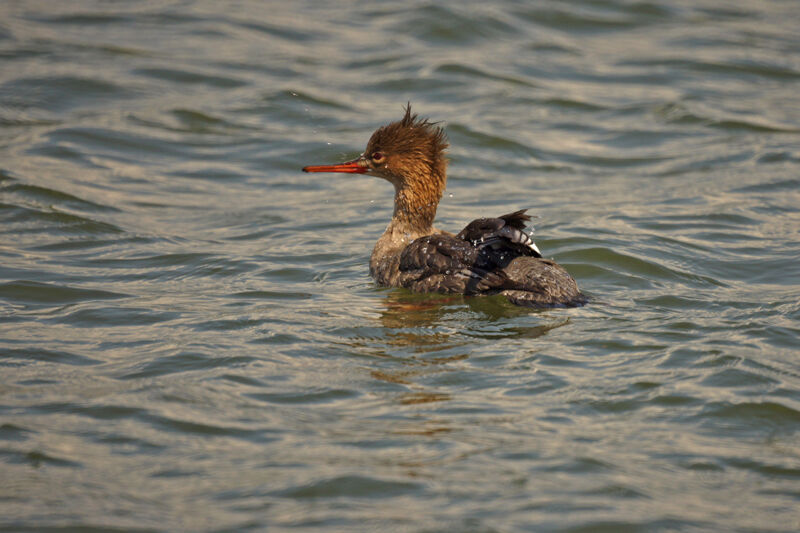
(489, 256)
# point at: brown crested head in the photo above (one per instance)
(409, 152)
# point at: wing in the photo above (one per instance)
(445, 263)
(505, 233)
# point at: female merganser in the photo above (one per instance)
(489, 256)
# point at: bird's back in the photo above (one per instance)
(489, 256)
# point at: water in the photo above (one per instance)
(190, 339)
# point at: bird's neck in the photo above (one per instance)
(405, 227)
(414, 211)
(415, 202)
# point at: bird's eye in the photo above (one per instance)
(377, 156)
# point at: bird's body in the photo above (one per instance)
(489, 256)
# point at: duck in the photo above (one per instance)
(489, 256)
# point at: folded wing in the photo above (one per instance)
(505, 234)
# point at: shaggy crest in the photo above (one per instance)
(411, 135)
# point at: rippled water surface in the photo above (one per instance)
(189, 337)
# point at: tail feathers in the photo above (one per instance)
(517, 219)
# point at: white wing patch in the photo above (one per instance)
(519, 237)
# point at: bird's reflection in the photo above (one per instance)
(437, 318)
(419, 348)
(434, 330)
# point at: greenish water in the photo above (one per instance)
(189, 337)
